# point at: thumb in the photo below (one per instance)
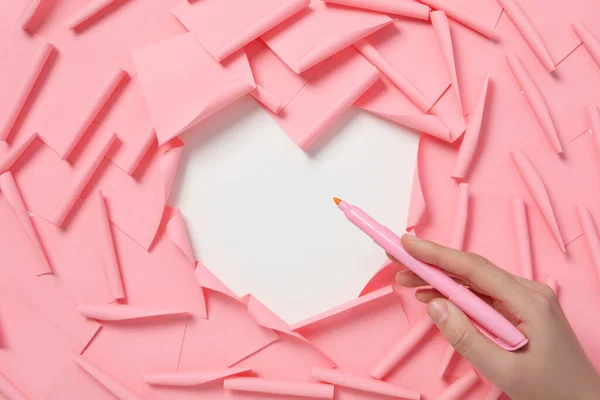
(460, 332)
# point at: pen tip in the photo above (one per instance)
(337, 201)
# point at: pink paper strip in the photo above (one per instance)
(193, 378)
(107, 91)
(591, 235)
(441, 26)
(461, 217)
(267, 99)
(339, 378)
(528, 31)
(594, 116)
(519, 212)
(447, 359)
(13, 155)
(83, 177)
(117, 312)
(538, 191)
(417, 208)
(590, 41)
(402, 348)
(405, 8)
(462, 16)
(552, 283)
(396, 77)
(87, 12)
(494, 393)
(29, 13)
(10, 190)
(344, 307)
(459, 389)
(113, 386)
(535, 99)
(260, 385)
(109, 256)
(471, 136)
(38, 63)
(8, 390)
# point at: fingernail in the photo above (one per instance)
(401, 274)
(438, 311)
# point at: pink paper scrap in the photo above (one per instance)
(522, 241)
(265, 386)
(109, 256)
(193, 378)
(120, 312)
(405, 8)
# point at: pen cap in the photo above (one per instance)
(497, 327)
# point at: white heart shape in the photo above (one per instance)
(260, 212)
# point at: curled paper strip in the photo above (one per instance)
(13, 155)
(494, 393)
(528, 31)
(458, 389)
(441, 26)
(10, 190)
(538, 191)
(338, 378)
(260, 385)
(590, 41)
(429, 124)
(193, 378)
(519, 212)
(178, 233)
(594, 116)
(113, 386)
(552, 283)
(471, 136)
(9, 391)
(109, 256)
(404, 8)
(461, 216)
(267, 99)
(402, 348)
(535, 99)
(462, 16)
(590, 232)
(107, 91)
(87, 12)
(85, 173)
(37, 65)
(447, 358)
(30, 13)
(103, 312)
(264, 316)
(396, 77)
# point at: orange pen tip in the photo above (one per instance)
(337, 201)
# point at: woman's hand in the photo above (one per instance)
(551, 366)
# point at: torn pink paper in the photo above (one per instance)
(535, 99)
(406, 345)
(418, 208)
(11, 153)
(529, 32)
(244, 23)
(119, 312)
(84, 175)
(538, 191)
(11, 192)
(329, 90)
(384, 99)
(109, 256)
(207, 280)
(590, 41)
(590, 233)
(415, 40)
(320, 31)
(470, 140)
(90, 11)
(522, 242)
(461, 217)
(177, 231)
(8, 390)
(404, 8)
(264, 316)
(191, 86)
(460, 388)
(463, 16)
(112, 385)
(193, 378)
(267, 99)
(339, 378)
(447, 109)
(265, 386)
(30, 13)
(441, 26)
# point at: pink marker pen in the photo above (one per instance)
(489, 321)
